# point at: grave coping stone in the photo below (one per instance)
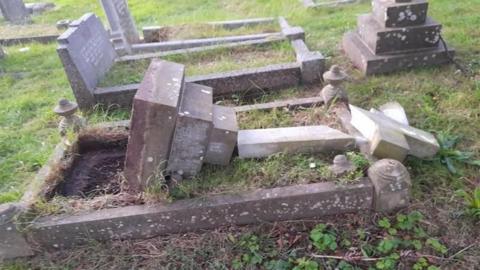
(12, 243)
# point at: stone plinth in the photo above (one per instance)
(154, 116)
(223, 138)
(396, 35)
(192, 131)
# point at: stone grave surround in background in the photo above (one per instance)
(328, 3)
(88, 54)
(398, 34)
(126, 39)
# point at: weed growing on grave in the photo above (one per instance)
(471, 201)
(449, 155)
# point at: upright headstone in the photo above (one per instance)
(154, 116)
(398, 34)
(192, 132)
(15, 11)
(87, 54)
(121, 20)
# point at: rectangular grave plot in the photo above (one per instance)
(201, 63)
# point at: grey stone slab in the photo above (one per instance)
(151, 33)
(258, 143)
(290, 104)
(87, 55)
(396, 40)
(251, 80)
(363, 58)
(313, 63)
(120, 19)
(192, 131)
(154, 115)
(392, 14)
(12, 242)
(193, 43)
(14, 11)
(286, 203)
(223, 138)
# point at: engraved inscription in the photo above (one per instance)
(92, 50)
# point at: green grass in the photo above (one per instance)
(436, 99)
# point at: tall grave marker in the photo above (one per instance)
(398, 34)
(14, 11)
(120, 20)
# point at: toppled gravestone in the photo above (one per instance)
(259, 143)
(174, 126)
(398, 34)
(390, 138)
(154, 116)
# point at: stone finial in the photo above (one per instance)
(70, 120)
(334, 90)
(392, 185)
(341, 165)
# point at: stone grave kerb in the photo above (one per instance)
(87, 55)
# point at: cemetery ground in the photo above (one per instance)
(438, 229)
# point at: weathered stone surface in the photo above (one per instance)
(377, 127)
(313, 63)
(389, 143)
(392, 185)
(394, 40)
(192, 131)
(286, 203)
(395, 111)
(12, 242)
(223, 138)
(369, 63)
(152, 34)
(258, 143)
(154, 115)
(241, 81)
(87, 55)
(22, 40)
(14, 11)
(390, 13)
(120, 19)
(235, 24)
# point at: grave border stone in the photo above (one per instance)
(307, 69)
(313, 4)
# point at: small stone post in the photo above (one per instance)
(70, 120)
(392, 184)
(334, 91)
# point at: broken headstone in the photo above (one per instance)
(258, 143)
(392, 139)
(223, 138)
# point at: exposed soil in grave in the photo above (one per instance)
(96, 167)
